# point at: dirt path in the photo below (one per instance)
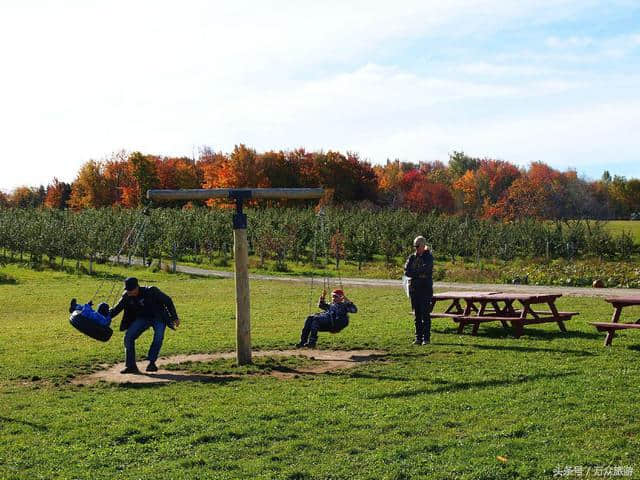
(329, 360)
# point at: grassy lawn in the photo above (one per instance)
(449, 410)
(630, 226)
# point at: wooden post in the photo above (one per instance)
(243, 304)
(240, 244)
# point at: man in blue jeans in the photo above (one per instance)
(144, 308)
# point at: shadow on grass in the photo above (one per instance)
(379, 377)
(518, 348)
(533, 333)
(451, 387)
(7, 279)
(161, 379)
(37, 426)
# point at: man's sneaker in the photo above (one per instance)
(301, 345)
(310, 345)
(151, 367)
(72, 305)
(426, 341)
(130, 370)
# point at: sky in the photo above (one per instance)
(529, 80)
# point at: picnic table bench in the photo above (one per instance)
(481, 307)
(610, 327)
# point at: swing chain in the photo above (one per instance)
(139, 227)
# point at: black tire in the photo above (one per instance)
(89, 327)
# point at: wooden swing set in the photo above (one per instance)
(240, 244)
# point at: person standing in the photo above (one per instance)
(419, 269)
(144, 308)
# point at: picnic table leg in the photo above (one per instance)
(518, 326)
(518, 329)
(609, 338)
(475, 328)
(466, 312)
(505, 325)
(616, 313)
(554, 312)
(461, 325)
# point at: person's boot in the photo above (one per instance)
(127, 370)
(152, 367)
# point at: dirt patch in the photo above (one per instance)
(326, 361)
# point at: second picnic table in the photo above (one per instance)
(480, 307)
(618, 304)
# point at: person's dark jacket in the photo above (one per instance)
(161, 305)
(338, 312)
(419, 269)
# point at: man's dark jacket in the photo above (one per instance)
(161, 306)
(419, 269)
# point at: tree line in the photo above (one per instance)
(288, 234)
(466, 186)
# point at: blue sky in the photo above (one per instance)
(553, 81)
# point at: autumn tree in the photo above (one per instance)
(390, 191)
(177, 173)
(90, 188)
(459, 164)
(116, 172)
(436, 172)
(426, 196)
(25, 197)
(348, 177)
(209, 165)
(143, 171)
(58, 194)
(278, 170)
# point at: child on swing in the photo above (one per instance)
(334, 318)
(101, 316)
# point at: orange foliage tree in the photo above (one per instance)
(24, 197)
(90, 187)
(58, 193)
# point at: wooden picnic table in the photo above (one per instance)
(618, 304)
(483, 307)
(456, 309)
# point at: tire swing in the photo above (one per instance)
(89, 327)
(81, 317)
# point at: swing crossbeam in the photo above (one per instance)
(241, 245)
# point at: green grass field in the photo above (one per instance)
(618, 226)
(449, 410)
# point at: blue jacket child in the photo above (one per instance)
(101, 316)
(334, 318)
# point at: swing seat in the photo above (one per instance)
(89, 327)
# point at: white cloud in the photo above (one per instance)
(589, 139)
(84, 78)
(569, 42)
